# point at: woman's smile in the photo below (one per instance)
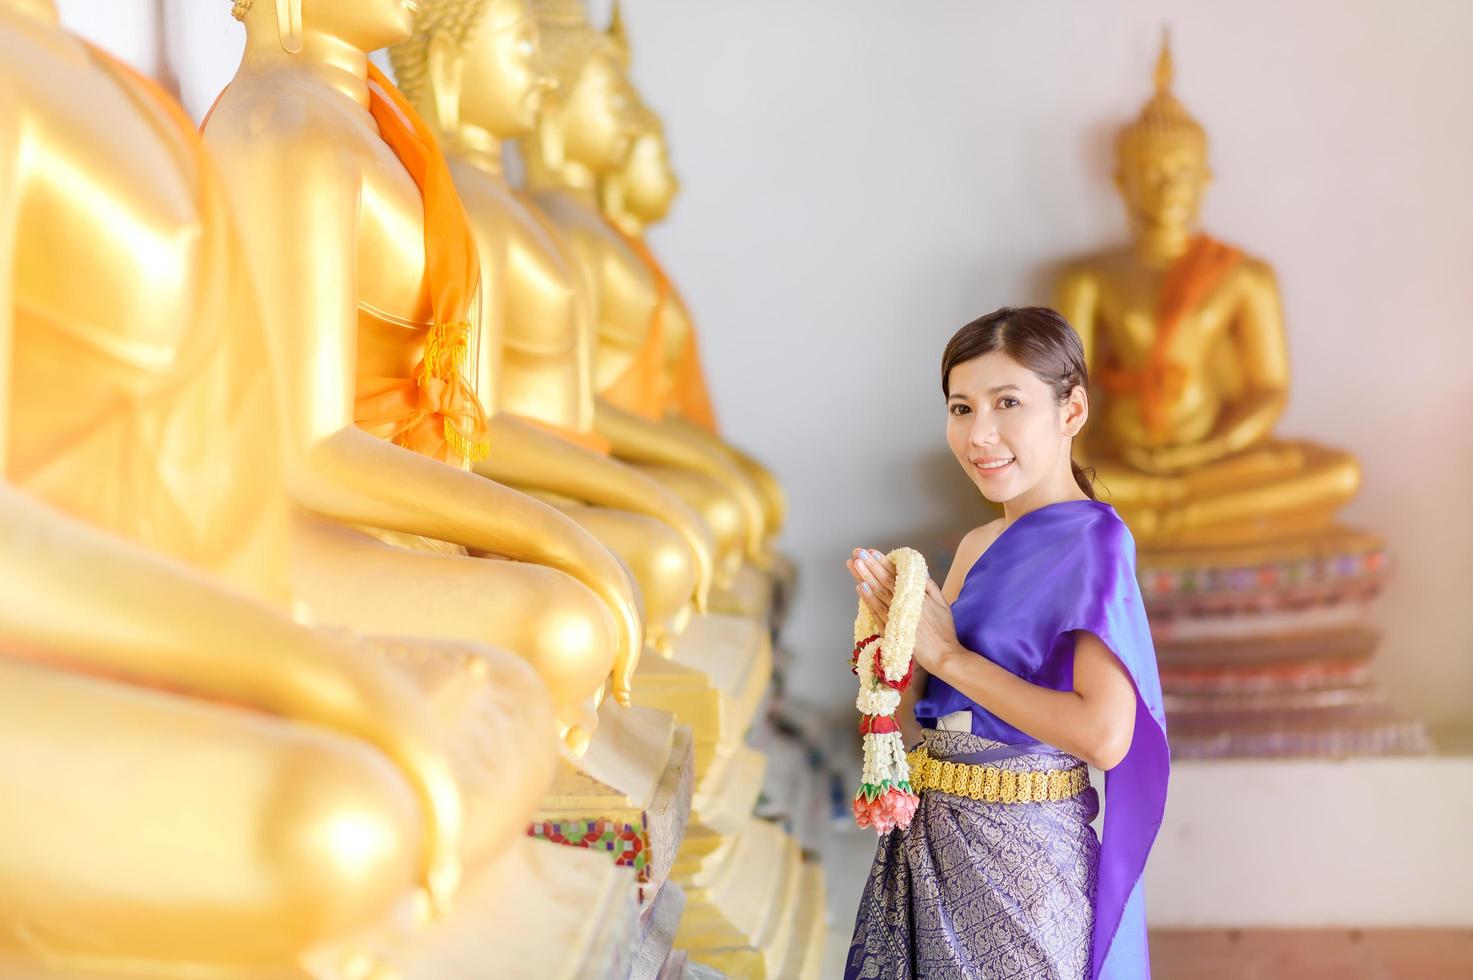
(990, 466)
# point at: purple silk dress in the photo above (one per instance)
(1026, 890)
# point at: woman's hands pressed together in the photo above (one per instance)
(936, 643)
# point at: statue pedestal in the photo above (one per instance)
(630, 795)
(541, 911)
(746, 902)
(1264, 649)
(713, 682)
(751, 595)
(1314, 843)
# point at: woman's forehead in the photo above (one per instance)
(991, 370)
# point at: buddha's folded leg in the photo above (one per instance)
(495, 725)
(174, 834)
(721, 511)
(544, 616)
(663, 565)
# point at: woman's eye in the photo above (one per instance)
(1007, 401)
(959, 409)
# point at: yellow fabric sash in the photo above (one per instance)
(436, 412)
(1187, 283)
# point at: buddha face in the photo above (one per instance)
(1163, 180)
(1007, 430)
(366, 24)
(504, 78)
(598, 123)
(650, 185)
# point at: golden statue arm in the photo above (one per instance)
(297, 205)
(526, 455)
(90, 602)
(342, 477)
(774, 499)
(637, 438)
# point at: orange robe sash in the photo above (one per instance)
(638, 389)
(436, 412)
(1160, 381)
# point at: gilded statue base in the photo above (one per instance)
(744, 907)
(1265, 648)
(505, 924)
(713, 682)
(630, 795)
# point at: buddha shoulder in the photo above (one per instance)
(137, 224)
(1092, 272)
(294, 120)
(1256, 274)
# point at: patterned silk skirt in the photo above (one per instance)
(982, 890)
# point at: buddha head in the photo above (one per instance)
(646, 182)
(365, 24)
(1162, 167)
(476, 62)
(588, 119)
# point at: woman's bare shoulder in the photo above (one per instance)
(973, 543)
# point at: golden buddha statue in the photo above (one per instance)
(275, 796)
(472, 70)
(475, 70)
(583, 131)
(1185, 338)
(367, 271)
(634, 196)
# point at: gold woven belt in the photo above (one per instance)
(992, 784)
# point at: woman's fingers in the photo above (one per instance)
(872, 602)
(882, 584)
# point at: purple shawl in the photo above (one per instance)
(1070, 566)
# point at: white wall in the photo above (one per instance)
(862, 177)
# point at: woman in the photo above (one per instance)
(1035, 657)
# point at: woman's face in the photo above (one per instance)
(1005, 428)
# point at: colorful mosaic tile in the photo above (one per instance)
(629, 843)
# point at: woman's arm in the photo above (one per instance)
(1095, 721)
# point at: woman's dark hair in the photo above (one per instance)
(1037, 338)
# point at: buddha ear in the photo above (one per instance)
(289, 25)
(445, 62)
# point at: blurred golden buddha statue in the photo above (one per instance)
(584, 131)
(195, 783)
(1184, 337)
(634, 196)
(472, 69)
(367, 273)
